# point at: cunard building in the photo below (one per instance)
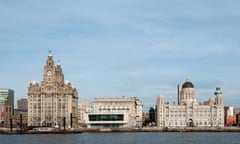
(53, 102)
(188, 112)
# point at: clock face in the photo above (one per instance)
(49, 72)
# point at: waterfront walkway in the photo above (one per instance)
(99, 130)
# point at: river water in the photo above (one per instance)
(126, 138)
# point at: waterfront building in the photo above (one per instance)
(8, 112)
(188, 112)
(229, 116)
(22, 104)
(84, 108)
(20, 118)
(238, 119)
(6, 95)
(53, 102)
(228, 111)
(237, 115)
(115, 112)
(236, 111)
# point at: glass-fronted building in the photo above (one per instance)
(106, 120)
(115, 113)
(5, 94)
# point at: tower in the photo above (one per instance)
(53, 100)
(186, 93)
(179, 93)
(218, 94)
(6, 98)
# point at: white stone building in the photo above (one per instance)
(115, 112)
(229, 111)
(188, 112)
(84, 108)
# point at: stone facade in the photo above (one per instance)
(53, 102)
(8, 113)
(22, 104)
(84, 108)
(6, 102)
(189, 113)
(116, 112)
(20, 118)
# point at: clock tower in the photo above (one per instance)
(53, 100)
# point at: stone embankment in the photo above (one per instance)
(111, 130)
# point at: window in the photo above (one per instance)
(105, 117)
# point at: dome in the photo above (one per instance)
(188, 84)
(67, 82)
(34, 82)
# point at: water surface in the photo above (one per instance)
(125, 138)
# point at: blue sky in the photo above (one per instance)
(121, 48)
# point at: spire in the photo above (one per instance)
(218, 91)
(161, 95)
(49, 53)
(188, 79)
(50, 62)
(219, 99)
(58, 62)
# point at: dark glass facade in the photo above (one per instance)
(106, 117)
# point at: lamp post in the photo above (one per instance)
(11, 124)
(21, 126)
(64, 123)
(71, 120)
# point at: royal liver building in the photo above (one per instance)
(53, 102)
(188, 112)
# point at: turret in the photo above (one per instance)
(218, 94)
(186, 93)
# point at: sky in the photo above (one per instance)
(131, 48)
